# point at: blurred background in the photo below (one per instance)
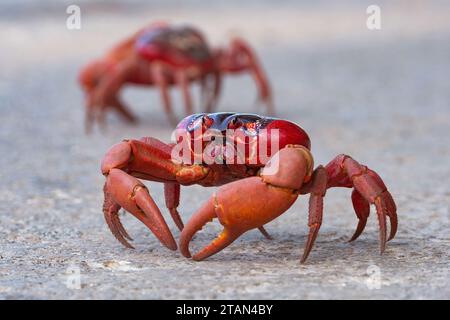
(381, 96)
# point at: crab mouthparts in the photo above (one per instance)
(219, 153)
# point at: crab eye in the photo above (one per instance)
(250, 129)
(201, 122)
(234, 123)
(195, 124)
(207, 121)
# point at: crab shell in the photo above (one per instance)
(218, 135)
(180, 47)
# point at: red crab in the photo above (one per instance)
(163, 56)
(253, 191)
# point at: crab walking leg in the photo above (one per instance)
(123, 110)
(105, 93)
(362, 210)
(214, 93)
(111, 213)
(172, 197)
(157, 72)
(94, 110)
(251, 202)
(203, 90)
(265, 233)
(115, 104)
(101, 117)
(343, 171)
(317, 188)
(183, 82)
(89, 116)
(262, 82)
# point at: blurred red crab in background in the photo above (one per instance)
(163, 56)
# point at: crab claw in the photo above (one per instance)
(249, 203)
(240, 206)
(123, 190)
(204, 215)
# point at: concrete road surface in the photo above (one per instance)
(381, 96)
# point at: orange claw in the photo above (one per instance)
(240, 206)
(249, 203)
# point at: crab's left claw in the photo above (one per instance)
(251, 202)
(204, 215)
(240, 206)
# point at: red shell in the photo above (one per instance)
(248, 128)
(178, 46)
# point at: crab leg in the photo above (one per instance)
(105, 93)
(98, 112)
(183, 82)
(265, 95)
(111, 213)
(203, 89)
(211, 95)
(172, 196)
(344, 171)
(157, 72)
(369, 188)
(362, 210)
(123, 110)
(265, 233)
(95, 110)
(317, 188)
(90, 113)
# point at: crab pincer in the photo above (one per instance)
(252, 202)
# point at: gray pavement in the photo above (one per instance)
(381, 96)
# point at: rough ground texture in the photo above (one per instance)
(381, 96)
